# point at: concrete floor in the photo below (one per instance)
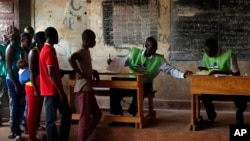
(171, 125)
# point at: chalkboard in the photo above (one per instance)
(108, 22)
(131, 2)
(193, 21)
(129, 21)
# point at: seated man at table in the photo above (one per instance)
(217, 60)
(145, 61)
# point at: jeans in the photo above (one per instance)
(3, 91)
(51, 105)
(10, 106)
(15, 112)
(24, 110)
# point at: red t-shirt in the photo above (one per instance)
(48, 58)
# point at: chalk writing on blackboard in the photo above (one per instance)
(107, 22)
(129, 21)
(192, 22)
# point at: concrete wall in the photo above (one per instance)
(25, 13)
(71, 17)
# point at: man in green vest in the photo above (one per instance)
(145, 61)
(218, 60)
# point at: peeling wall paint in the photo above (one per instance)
(69, 18)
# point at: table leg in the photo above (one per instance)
(193, 112)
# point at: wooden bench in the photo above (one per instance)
(223, 86)
(140, 119)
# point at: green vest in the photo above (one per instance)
(141, 64)
(221, 62)
(18, 52)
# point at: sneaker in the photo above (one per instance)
(19, 138)
(11, 136)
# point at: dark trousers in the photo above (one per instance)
(240, 103)
(3, 91)
(15, 109)
(24, 110)
(51, 105)
(116, 96)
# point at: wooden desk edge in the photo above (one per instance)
(138, 84)
(241, 89)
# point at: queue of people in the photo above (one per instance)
(21, 69)
(30, 71)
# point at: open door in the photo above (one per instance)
(9, 14)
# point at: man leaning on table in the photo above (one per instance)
(221, 61)
(145, 61)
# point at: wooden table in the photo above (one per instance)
(139, 119)
(224, 85)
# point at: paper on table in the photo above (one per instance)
(117, 64)
(202, 72)
(221, 75)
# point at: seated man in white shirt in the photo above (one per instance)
(145, 61)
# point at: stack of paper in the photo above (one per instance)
(117, 64)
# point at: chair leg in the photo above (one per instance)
(150, 101)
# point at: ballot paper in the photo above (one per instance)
(117, 64)
(202, 72)
(221, 75)
(205, 72)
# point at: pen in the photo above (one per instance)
(109, 60)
